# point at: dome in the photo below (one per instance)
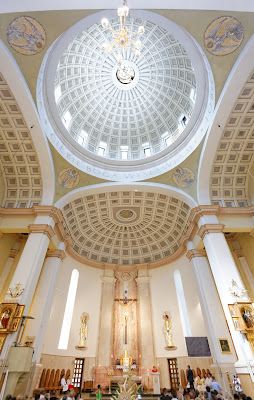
(128, 111)
(131, 121)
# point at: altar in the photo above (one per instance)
(121, 379)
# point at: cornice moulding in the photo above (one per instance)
(190, 233)
(13, 253)
(195, 253)
(56, 253)
(210, 228)
(238, 253)
(42, 228)
(200, 211)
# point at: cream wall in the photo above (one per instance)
(164, 298)
(88, 299)
(6, 243)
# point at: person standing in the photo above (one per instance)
(208, 381)
(237, 384)
(98, 393)
(215, 385)
(63, 383)
(190, 377)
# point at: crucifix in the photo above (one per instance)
(125, 301)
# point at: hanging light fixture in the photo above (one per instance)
(123, 38)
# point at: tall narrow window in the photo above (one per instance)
(66, 326)
(182, 304)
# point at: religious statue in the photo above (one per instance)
(168, 332)
(83, 331)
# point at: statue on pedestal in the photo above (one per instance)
(168, 332)
(83, 331)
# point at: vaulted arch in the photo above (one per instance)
(228, 150)
(26, 163)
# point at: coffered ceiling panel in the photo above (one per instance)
(234, 156)
(18, 160)
(126, 228)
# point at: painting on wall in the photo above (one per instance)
(68, 178)
(224, 346)
(223, 36)
(2, 340)
(183, 177)
(7, 312)
(26, 35)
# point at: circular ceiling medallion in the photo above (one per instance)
(183, 177)
(223, 36)
(125, 214)
(131, 122)
(68, 178)
(26, 35)
(125, 74)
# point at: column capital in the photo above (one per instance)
(42, 228)
(108, 279)
(143, 279)
(56, 253)
(13, 253)
(238, 253)
(195, 253)
(210, 228)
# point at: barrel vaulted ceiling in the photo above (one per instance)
(19, 163)
(234, 155)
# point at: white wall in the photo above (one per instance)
(88, 299)
(164, 298)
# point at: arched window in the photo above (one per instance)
(66, 326)
(182, 304)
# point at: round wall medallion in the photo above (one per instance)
(26, 35)
(183, 177)
(223, 36)
(68, 178)
(125, 276)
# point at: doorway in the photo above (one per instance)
(173, 373)
(77, 374)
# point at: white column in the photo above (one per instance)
(224, 271)
(7, 267)
(106, 318)
(29, 267)
(213, 314)
(246, 269)
(43, 299)
(146, 342)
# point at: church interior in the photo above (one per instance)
(126, 194)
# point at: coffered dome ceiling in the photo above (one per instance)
(126, 228)
(120, 120)
(125, 131)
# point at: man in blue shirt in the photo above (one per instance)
(215, 385)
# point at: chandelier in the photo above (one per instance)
(123, 38)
